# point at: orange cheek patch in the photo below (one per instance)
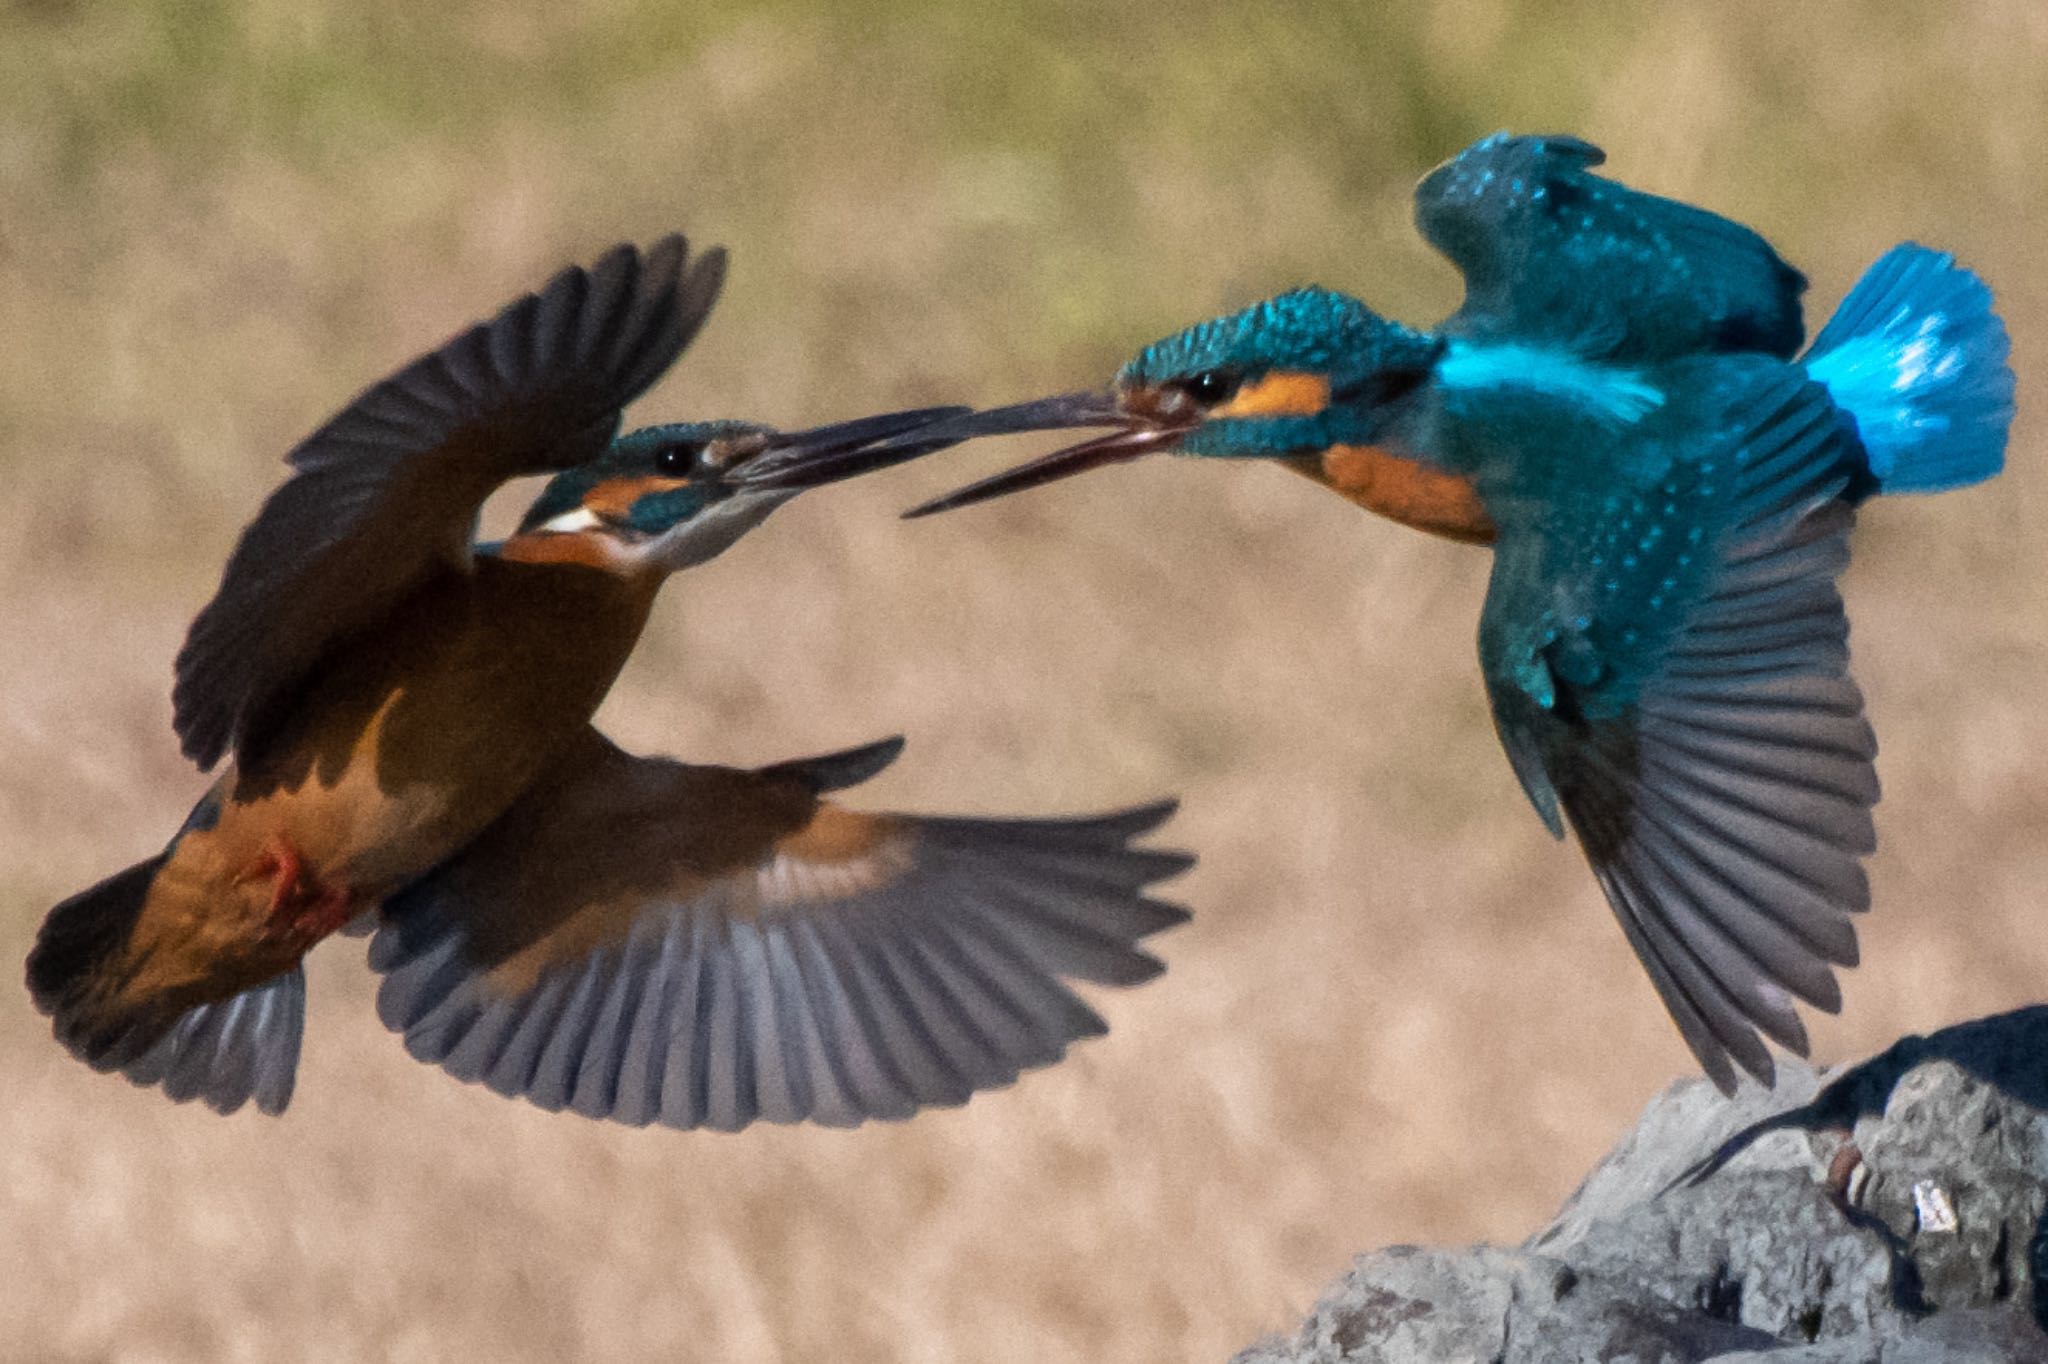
(613, 499)
(1403, 490)
(1282, 393)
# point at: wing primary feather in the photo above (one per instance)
(930, 1076)
(780, 1080)
(1741, 977)
(1055, 1009)
(724, 1061)
(1598, 826)
(613, 281)
(867, 1008)
(562, 1051)
(650, 1035)
(1068, 944)
(839, 1067)
(948, 1027)
(1008, 1030)
(511, 1072)
(683, 1083)
(594, 1088)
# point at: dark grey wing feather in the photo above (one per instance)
(1717, 767)
(711, 948)
(229, 1053)
(388, 490)
(1553, 253)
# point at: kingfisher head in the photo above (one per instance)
(667, 497)
(1293, 375)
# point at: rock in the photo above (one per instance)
(1971, 1336)
(1894, 1211)
(1405, 1304)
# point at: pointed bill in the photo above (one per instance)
(1142, 432)
(1114, 448)
(796, 460)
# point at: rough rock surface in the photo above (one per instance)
(1891, 1211)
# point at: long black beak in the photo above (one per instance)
(795, 460)
(1140, 433)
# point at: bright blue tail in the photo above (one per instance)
(1916, 355)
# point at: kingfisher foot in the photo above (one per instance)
(1847, 1175)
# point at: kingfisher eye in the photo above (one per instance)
(1212, 386)
(679, 460)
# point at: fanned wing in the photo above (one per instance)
(388, 490)
(1685, 700)
(1552, 253)
(647, 941)
(228, 1053)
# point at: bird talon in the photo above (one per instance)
(1846, 1176)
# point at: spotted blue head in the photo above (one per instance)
(1293, 375)
(671, 496)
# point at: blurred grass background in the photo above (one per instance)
(1400, 1013)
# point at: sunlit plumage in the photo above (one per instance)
(1616, 408)
(405, 716)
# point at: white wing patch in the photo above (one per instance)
(786, 880)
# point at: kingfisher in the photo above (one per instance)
(406, 719)
(1620, 409)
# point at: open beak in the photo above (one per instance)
(794, 460)
(1147, 421)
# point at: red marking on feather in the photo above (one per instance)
(1402, 489)
(302, 907)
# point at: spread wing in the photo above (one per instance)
(1552, 253)
(387, 491)
(1685, 700)
(648, 941)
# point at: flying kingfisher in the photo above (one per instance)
(407, 715)
(1617, 410)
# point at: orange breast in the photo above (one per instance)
(589, 549)
(400, 751)
(1402, 489)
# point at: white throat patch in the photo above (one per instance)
(569, 522)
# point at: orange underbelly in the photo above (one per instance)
(243, 897)
(1401, 489)
(400, 754)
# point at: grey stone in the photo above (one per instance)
(1490, 1303)
(1892, 1212)
(1976, 1335)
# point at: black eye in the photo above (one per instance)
(1212, 386)
(679, 460)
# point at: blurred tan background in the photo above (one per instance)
(1401, 1013)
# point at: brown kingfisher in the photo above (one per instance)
(1616, 408)
(407, 718)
